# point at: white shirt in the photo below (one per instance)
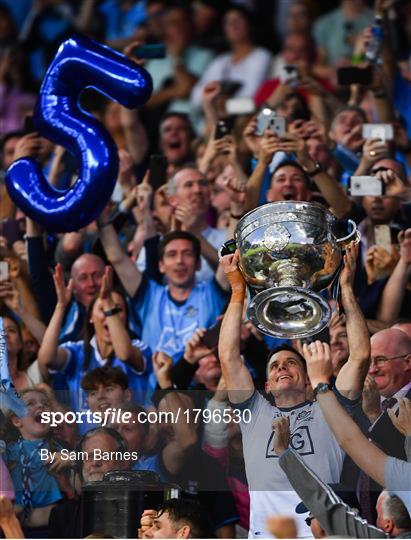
(251, 72)
(270, 489)
(402, 392)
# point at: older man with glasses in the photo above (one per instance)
(390, 369)
(389, 379)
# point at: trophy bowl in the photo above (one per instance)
(288, 254)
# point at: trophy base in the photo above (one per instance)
(289, 312)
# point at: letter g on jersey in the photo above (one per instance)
(300, 441)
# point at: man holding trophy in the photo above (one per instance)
(288, 384)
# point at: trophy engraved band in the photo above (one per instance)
(289, 252)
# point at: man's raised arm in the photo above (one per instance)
(335, 517)
(349, 436)
(125, 268)
(350, 380)
(237, 377)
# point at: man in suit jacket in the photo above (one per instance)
(390, 370)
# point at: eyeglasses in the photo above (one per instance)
(309, 520)
(380, 361)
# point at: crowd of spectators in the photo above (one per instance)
(269, 437)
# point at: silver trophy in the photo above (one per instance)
(289, 251)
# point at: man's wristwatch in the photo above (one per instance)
(317, 169)
(111, 312)
(321, 388)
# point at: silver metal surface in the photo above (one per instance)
(288, 253)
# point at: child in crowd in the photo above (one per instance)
(38, 484)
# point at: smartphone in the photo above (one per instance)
(29, 125)
(354, 75)
(211, 335)
(267, 119)
(222, 128)
(228, 248)
(289, 75)
(158, 170)
(382, 236)
(148, 52)
(360, 186)
(276, 124)
(385, 132)
(229, 88)
(240, 105)
(4, 270)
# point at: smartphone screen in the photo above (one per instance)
(385, 132)
(158, 170)
(354, 75)
(4, 270)
(382, 236)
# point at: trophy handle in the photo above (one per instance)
(353, 235)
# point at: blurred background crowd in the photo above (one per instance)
(253, 102)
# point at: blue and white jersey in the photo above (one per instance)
(166, 324)
(44, 487)
(74, 371)
(73, 322)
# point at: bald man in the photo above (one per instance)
(404, 325)
(86, 272)
(391, 362)
(390, 368)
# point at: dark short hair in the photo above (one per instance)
(355, 108)
(191, 513)
(374, 167)
(182, 116)
(247, 13)
(104, 376)
(285, 347)
(179, 235)
(293, 163)
(10, 135)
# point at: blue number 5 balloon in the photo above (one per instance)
(78, 64)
